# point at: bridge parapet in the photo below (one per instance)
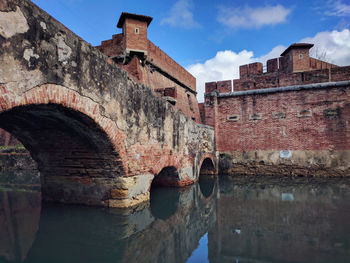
(98, 136)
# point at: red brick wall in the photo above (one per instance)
(325, 129)
(340, 73)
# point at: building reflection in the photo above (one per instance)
(282, 222)
(85, 234)
(246, 221)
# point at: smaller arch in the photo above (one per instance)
(207, 167)
(168, 176)
(164, 199)
(206, 177)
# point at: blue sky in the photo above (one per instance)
(212, 38)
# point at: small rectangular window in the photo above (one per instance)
(304, 113)
(232, 117)
(278, 115)
(137, 31)
(254, 116)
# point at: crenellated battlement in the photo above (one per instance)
(293, 67)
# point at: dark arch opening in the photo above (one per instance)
(207, 167)
(75, 157)
(206, 178)
(164, 199)
(168, 176)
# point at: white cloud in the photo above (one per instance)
(249, 17)
(337, 8)
(180, 16)
(335, 44)
(225, 65)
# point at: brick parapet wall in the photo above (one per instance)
(222, 86)
(112, 47)
(282, 64)
(162, 60)
(280, 79)
(319, 64)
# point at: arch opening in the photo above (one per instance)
(168, 176)
(75, 157)
(207, 167)
(164, 197)
(206, 178)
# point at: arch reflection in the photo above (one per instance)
(88, 234)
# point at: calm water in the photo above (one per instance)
(230, 220)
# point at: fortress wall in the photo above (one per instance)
(297, 132)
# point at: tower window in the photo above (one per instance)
(137, 30)
(300, 56)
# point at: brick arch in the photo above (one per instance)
(79, 151)
(168, 176)
(204, 157)
(57, 94)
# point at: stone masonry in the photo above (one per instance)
(98, 136)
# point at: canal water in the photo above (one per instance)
(232, 219)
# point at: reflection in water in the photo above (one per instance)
(201, 252)
(88, 234)
(240, 220)
(206, 184)
(282, 220)
(19, 220)
(164, 201)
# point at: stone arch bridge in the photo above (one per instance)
(97, 136)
